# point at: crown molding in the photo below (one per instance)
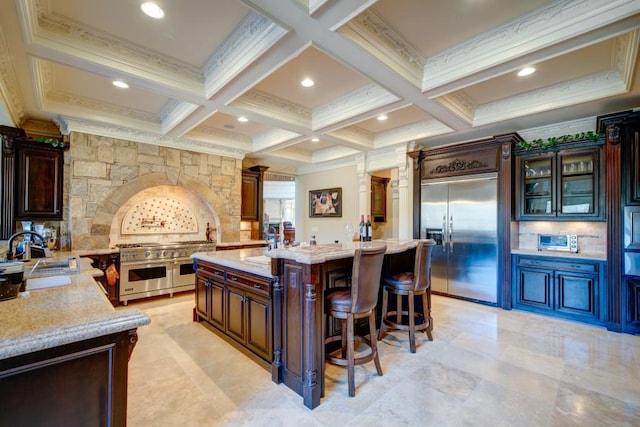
(588, 88)
(557, 129)
(459, 104)
(276, 108)
(175, 112)
(9, 88)
(377, 37)
(413, 131)
(386, 158)
(253, 36)
(272, 139)
(330, 164)
(359, 101)
(559, 21)
(625, 55)
(355, 135)
(48, 32)
(333, 154)
(220, 136)
(68, 125)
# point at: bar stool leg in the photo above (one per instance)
(350, 355)
(344, 338)
(412, 322)
(398, 309)
(385, 303)
(426, 311)
(373, 343)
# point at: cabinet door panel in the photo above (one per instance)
(216, 297)
(534, 288)
(201, 296)
(235, 325)
(576, 294)
(259, 326)
(39, 184)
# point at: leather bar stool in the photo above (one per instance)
(410, 284)
(355, 302)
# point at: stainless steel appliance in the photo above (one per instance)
(558, 242)
(461, 215)
(150, 269)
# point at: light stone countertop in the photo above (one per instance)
(46, 318)
(316, 254)
(256, 260)
(237, 258)
(594, 256)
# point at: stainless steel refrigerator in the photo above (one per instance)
(461, 215)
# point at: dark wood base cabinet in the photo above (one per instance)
(238, 306)
(79, 384)
(562, 287)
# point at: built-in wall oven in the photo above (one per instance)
(150, 269)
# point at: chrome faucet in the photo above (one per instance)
(10, 254)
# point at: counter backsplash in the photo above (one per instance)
(592, 236)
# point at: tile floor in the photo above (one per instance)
(485, 367)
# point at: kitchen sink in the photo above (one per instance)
(46, 267)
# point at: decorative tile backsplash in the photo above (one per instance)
(159, 215)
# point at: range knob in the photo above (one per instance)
(147, 254)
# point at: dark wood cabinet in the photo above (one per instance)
(39, 181)
(561, 184)
(238, 305)
(252, 203)
(562, 287)
(78, 384)
(111, 284)
(379, 198)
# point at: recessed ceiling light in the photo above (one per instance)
(382, 117)
(526, 71)
(243, 119)
(307, 82)
(315, 139)
(153, 10)
(120, 84)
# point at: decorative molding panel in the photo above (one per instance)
(558, 129)
(355, 135)
(174, 112)
(459, 104)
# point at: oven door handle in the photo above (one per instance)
(147, 263)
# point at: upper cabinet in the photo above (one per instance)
(563, 183)
(252, 185)
(39, 181)
(379, 198)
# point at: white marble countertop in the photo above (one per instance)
(242, 243)
(251, 260)
(596, 256)
(46, 318)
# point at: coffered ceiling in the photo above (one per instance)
(442, 72)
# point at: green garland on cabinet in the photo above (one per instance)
(51, 141)
(553, 141)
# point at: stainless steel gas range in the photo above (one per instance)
(150, 269)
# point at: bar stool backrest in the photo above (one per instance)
(422, 269)
(365, 278)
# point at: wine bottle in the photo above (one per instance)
(369, 228)
(361, 229)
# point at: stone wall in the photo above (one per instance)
(106, 172)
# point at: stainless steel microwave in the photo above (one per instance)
(558, 242)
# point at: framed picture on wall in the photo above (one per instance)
(325, 203)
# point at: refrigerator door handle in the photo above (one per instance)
(451, 235)
(444, 233)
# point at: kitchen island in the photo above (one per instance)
(292, 313)
(64, 355)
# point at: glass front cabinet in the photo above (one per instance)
(560, 184)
